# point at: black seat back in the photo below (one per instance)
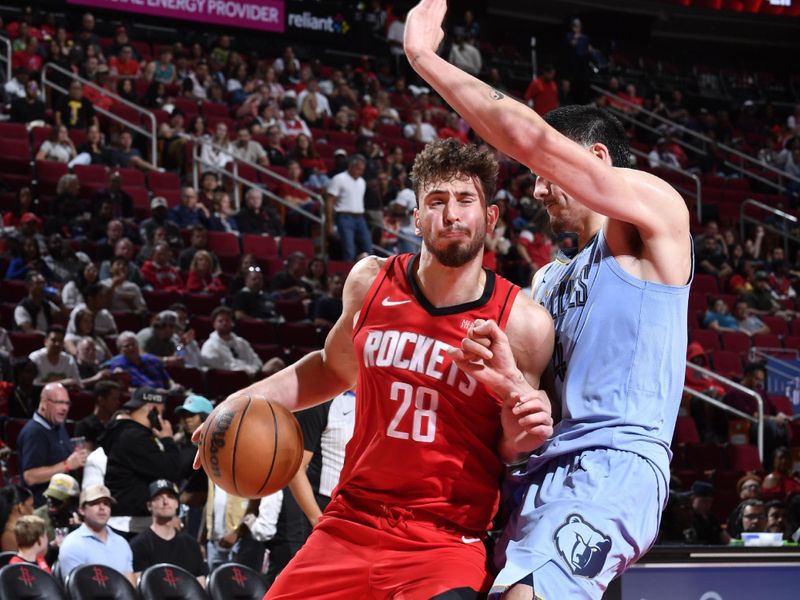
(5, 557)
(23, 581)
(98, 582)
(169, 582)
(233, 581)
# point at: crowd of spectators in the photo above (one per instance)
(123, 288)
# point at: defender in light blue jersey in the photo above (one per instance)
(590, 499)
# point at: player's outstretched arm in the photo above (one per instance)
(322, 375)
(634, 197)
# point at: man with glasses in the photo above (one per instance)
(43, 446)
(94, 542)
(59, 512)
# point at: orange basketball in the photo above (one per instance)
(251, 447)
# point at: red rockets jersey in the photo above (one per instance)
(426, 433)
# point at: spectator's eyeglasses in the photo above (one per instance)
(254, 269)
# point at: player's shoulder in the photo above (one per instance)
(528, 319)
(361, 277)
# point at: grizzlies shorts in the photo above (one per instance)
(582, 520)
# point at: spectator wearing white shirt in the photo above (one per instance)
(224, 349)
(53, 365)
(419, 129)
(15, 87)
(279, 64)
(246, 148)
(98, 299)
(58, 148)
(345, 200)
(221, 152)
(290, 123)
(465, 56)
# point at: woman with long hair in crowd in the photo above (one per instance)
(201, 279)
(84, 328)
(15, 501)
(72, 292)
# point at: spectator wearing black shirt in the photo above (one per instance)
(126, 156)
(256, 218)
(30, 108)
(121, 201)
(252, 302)
(106, 403)
(199, 241)
(162, 542)
(289, 284)
(275, 151)
(328, 307)
(706, 529)
(75, 111)
(98, 152)
(158, 218)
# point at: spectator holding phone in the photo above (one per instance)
(140, 449)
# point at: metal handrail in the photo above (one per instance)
(700, 136)
(759, 420)
(698, 185)
(150, 133)
(775, 211)
(7, 57)
(197, 151)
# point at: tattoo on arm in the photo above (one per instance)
(495, 94)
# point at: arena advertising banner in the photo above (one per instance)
(323, 21)
(696, 582)
(265, 15)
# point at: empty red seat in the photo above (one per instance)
(257, 331)
(223, 243)
(13, 131)
(705, 284)
(268, 351)
(291, 310)
(132, 177)
(735, 341)
(301, 334)
(767, 341)
(707, 338)
(48, 172)
(163, 181)
(293, 244)
(744, 457)
(703, 456)
(158, 300)
(223, 383)
(781, 404)
(191, 379)
(201, 304)
(777, 325)
(261, 246)
(202, 327)
(210, 110)
(91, 174)
(82, 405)
(685, 431)
(25, 343)
(339, 266)
(728, 364)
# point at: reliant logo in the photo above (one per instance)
(306, 20)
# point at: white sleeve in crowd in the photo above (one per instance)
(265, 525)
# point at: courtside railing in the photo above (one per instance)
(697, 190)
(787, 223)
(5, 57)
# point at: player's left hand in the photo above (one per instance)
(423, 29)
(486, 355)
(527, 421)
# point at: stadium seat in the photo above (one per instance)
(5, 557)
(257, 331)
(268, 351)
(82, 405)
(701, 456)
(132, 177)
(705, 284)
(158, 300)
(233, 581)
(91, 174)
(685, 431)
(201, 304)
(339, 266)
(48, 172)
(707, 338)
(222, 383)
(735, 341)
(744, 457)
(163, 581)
(782, 404)
(792, 342)
(163, 181)
(93, 582)
(13, 131)
(24, 581)
(202, 327)
(777, 325)
(291, 310)
(25, 343)
(223, 243)
(767, 340)
(293, 244)
(301, 334)
(127, 321)
(728, 364)
(189, 378)
(260, 246)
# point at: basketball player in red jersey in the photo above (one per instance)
(419, 485)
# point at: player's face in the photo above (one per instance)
(565, 213)
(453, 219)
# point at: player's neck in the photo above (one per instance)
(449, 286)
(593, 223)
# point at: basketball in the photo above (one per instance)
(251, 447)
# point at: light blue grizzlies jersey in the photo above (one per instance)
(619, 359)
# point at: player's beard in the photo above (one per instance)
(456, 253)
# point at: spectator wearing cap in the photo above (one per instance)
(30, 107)
(225, 350)
(43, 446)
(706, 529)
(194, 410)
(345, 207)
(106, 403)
(142, 368)
(29, 532)
(37, 311)
(159, 218)
(163, 542)
(140, 449)
(94, 542)
(60, 509)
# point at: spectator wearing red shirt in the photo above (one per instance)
(124, 65)
(28, 58)
(200, 278)
(159, 272)
(542, 92)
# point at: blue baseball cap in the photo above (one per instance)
(195, 405)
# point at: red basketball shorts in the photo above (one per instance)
(352, 554)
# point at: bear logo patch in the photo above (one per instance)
(582, 547)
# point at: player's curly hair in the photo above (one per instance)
(446, 159)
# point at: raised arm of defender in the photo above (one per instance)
(640, 199)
